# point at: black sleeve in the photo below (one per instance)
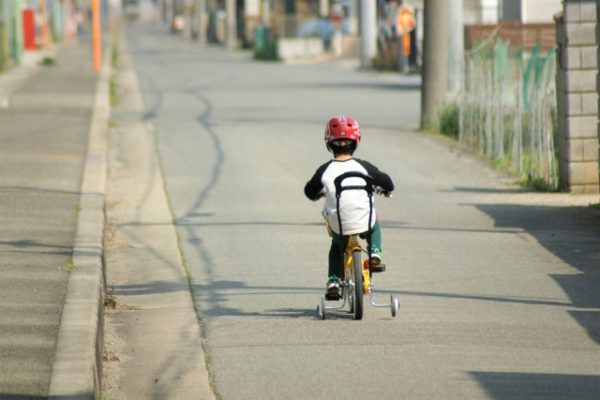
(313, 187)
(380, 178)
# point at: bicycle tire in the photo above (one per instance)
(358, 284)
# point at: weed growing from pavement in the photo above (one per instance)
(538, 184)
(70, 265)
(47, 62)
(110, 301)
(116, 45)
(114, 92)
(113, 123)
(114, 87)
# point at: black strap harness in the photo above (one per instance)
(339, 188)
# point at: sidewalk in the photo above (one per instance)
(153, 339)
(45, 118)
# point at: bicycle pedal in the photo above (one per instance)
(332, 296)
(377, 268)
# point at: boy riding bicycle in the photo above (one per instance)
(342, 136)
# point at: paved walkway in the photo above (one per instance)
(45, 117)
(153, 341)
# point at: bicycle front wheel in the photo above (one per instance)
(358, 284)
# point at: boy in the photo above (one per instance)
(342, 136)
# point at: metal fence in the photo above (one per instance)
(507, 108)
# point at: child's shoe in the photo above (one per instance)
(333, 289)
(376, 264)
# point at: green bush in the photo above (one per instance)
(448, 120)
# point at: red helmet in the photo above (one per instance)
(342, 128)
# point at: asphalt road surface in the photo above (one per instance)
(498, 287)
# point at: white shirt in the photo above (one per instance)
(354, 204)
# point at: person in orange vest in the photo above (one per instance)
(405, 23)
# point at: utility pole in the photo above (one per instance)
(353, 9)
(368, 31)
(435, 60)
(201, 21)
(96, 36)
(266, 13)
(231, 24)
(455, 45)
(323, 8)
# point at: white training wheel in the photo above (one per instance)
(321, 309)
(394, 304)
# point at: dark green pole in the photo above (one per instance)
(3, 35)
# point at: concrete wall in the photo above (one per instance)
(289, 49)
(539, 10)
(577, 96)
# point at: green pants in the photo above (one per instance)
(336, 252)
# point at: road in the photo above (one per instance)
(498, 287)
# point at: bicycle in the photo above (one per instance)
(357, 272)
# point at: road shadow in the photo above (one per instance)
(219, 293)
(573, 235)
(21, 246)
(9, 396)
(530, 386)
(409, 85)
(472, 189)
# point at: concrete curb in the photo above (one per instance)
(77, 369)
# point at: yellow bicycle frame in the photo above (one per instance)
(352, 246)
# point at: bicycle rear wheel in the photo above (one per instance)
(358, 284)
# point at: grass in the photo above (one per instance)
(110, 301)
(113, 123)
(115, 50)
(70, 265)
(448, 120)
(47, 62)
(114, 92)
(538, 184)
(114, 62)
(447, 124)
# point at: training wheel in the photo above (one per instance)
(321, 309)
(394, 305)
(351, 303)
